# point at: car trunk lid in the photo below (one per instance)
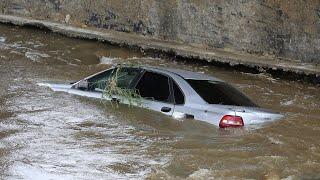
(256, 115)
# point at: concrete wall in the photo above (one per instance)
(287, 29)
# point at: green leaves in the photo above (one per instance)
(126, 96)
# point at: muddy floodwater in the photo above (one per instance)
(55, 135)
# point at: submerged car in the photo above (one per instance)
(177, 93)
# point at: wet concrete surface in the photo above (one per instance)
(52, 135)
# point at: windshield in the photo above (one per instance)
(214, 92)
(99, 81)
(124, 77)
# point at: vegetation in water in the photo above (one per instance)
(112, 90)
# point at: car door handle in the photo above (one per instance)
(165, 109)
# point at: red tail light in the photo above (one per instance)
(231, 121)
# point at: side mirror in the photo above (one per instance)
(82, 85)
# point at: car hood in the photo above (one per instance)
(57, 87)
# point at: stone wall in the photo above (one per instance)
(285, 29)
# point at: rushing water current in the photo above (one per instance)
(54, 135)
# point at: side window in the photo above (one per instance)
(125, 76)
(154, 86)
(178, 95)
(99, 81)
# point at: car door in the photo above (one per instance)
(156, 92)
(180, 111)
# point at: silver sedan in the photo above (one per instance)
(177, 93)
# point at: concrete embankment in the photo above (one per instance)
(286, 29)
(299, 69)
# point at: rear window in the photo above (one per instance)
(214, 92)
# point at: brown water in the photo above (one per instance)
(51, 135)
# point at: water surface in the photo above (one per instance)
(52, 135)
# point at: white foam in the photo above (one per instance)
(200, 174)
(111, 60)
(27, 171)
(2, 39)
(44, 84)
(275, 140)
(35, 56)
(287, 103)
(107, 60)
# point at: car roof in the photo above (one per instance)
(184, 74)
